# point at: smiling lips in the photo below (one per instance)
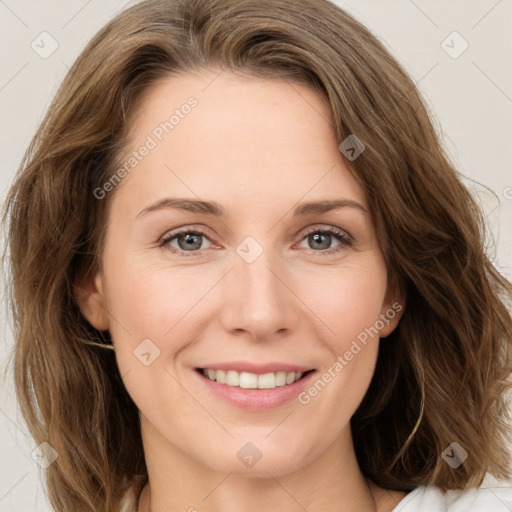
(255, 387)
(249, 380)
(250, 375)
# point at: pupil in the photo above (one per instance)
(317, 239)
(190, 240)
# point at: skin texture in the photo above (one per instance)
(259, 148)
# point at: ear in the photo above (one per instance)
(91, 301)
(392, 309)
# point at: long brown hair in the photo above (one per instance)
(441, 376)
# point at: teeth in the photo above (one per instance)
(281, 378)
(248, 380)
(252, 380)
(232, 378)
(267, 381)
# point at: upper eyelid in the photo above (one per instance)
(187, 229)
(312, 229)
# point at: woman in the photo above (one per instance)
(246, 276)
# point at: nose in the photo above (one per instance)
(259, 300)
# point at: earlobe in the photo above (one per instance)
(392, 311)
(91, 301)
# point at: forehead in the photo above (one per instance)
(227, 102)
(227, 135)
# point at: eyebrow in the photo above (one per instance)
(217, 210)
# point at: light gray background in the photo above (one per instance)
(470, 96)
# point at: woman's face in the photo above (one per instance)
(245, 285)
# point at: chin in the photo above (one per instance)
(258, 458)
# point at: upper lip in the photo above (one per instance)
(246, 366)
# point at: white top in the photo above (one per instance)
(496, 497)
(482, 499)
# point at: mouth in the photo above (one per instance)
(248, 380)
(262, 391)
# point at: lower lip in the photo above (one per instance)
(257, 399)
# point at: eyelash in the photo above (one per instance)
(344, 239)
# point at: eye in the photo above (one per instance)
(320, 239)
(187, 240)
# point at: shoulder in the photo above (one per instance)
(493, 496)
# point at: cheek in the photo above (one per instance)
(346, 300)
(152, 302)
(350, 309)
(152, 321)
(156, 313)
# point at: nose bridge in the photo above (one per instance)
(258, 300)
(258, 278)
